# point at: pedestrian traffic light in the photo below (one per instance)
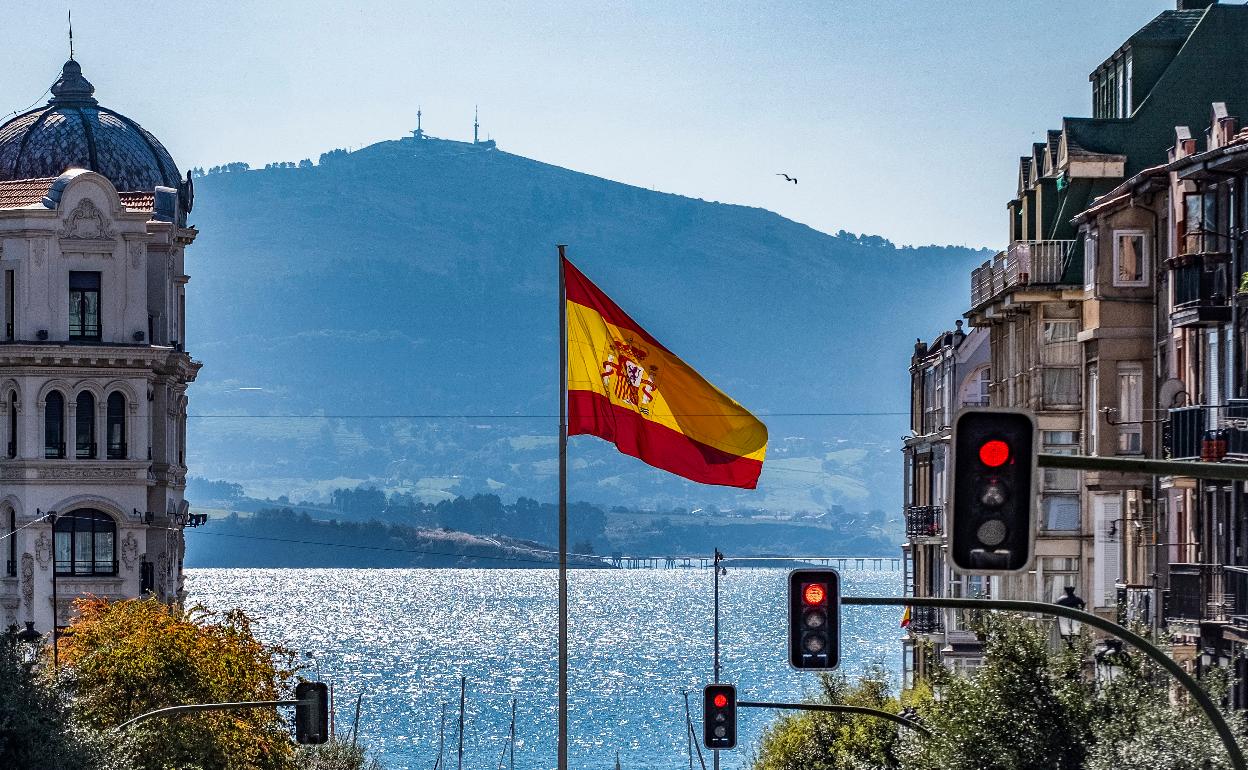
(814, 618)
(992, 526)
(719, 716)
(312, 712)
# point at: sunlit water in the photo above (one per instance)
(639, 640)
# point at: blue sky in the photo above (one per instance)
(902, 118)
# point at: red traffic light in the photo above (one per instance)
(994, 453)
(814, 593)
(720, 700)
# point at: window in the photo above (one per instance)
(1061, 512)
(1089, 261)
(1060, 346)
(116, 426)
(1059, 572)
(1093, 411)
(84, 543)
(84, 305)
(1130, 407)
(12, 448)
(1130, 258)
(1200, 223)
(84, 426)
(1061, 386)
(54, 426)
(1060, 442)
(978, 387)
(11, 566)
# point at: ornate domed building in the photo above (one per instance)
(93, 373)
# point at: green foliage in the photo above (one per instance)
(125, 658)
(827, 741)
(335, 755)
(36, 728)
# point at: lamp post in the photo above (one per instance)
(31, 637)
(1111, 660)
(1069, 628)
(56, 654)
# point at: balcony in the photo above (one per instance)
(926, 620)
(1207, 433)
(1202, 290)
(1027, 263)
(924, 521)
(1208, 592)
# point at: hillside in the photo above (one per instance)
(408, 291)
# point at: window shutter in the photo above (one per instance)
(1107, 514)
(1213, 393)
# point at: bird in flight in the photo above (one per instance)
(788, 178)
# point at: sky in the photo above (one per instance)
(900, 118)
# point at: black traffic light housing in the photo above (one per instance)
(993, 522)
(312, 719)
(719, 716)
(814, 618)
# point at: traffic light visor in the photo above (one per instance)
(994, 453)
(814, 593)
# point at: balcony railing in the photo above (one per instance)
(1026, 263)
(926, 620)
(1208, 592)
(1208, 433)
(1202, 290)
(924, 521)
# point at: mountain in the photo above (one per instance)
(396, 306)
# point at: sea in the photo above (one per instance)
(398, 641)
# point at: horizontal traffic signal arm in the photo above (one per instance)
(1192, 470)
(1193, 688)
(839, 708)
(171, 710)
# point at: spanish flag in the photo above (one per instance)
(626, 388)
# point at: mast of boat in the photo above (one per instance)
(511, 740)
(441, 738)
(463, 683)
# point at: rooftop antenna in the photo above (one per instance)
(71, 34)
(475, 124)
(419, 133)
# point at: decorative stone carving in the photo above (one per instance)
(85, 473)
(87, 223)
(28, 584)
(129, 550)
(136, 254)
(38, 251)
(12, 474)
(43, 550)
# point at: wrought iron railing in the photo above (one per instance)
(924, 521)
(926, 620)
(1201, 281)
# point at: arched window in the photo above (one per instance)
(116, 427)
(84, 541)
(84, 427)
(54, 425)
(12, 448)
(11, 565)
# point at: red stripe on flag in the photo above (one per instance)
(582, 291)
(658, 445)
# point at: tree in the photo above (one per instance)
(811, 740)
(36, 728)
(125, 658)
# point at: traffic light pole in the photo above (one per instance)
(715, 673)
(1221, 471)
(1135, 640)
(839, 708)
(171, 710)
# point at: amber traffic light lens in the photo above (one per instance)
(814, 593)
(720, 700)
(994, 453)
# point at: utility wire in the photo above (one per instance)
(26, 525)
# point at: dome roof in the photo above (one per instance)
(74, 131)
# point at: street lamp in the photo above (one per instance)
(1069, 628)
(1111, 661)
(31, 637)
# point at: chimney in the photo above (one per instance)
(1194, 5)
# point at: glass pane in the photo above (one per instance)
(63, 554)
(1130, 258)
(82, 553)
(1061, 513)
(104, 551)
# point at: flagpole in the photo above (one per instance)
(563, 517)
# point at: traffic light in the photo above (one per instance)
(312, 719)
(814, 618)
(992, 526)
(719, 716)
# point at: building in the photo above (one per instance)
(93, 373)
(947, 374)
(1111, 316)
